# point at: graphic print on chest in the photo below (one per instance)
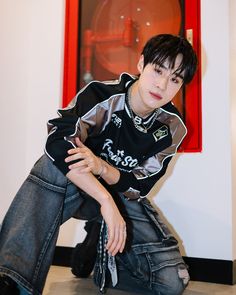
(117, 157)
(116, 120)
(160, 133)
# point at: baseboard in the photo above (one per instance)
(211, 270)
(200, 269)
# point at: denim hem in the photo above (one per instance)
(152, 247)
(19, 280)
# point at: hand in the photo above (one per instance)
(116, 227)
(88, 161)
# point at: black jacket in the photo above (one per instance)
(99, 116)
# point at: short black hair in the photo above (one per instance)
(166, 47)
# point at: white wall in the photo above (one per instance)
(31, 58)
(197, 196)
(232, 31)
(31, 73)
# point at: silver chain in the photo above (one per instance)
(137, 119)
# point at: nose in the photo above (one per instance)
(162, 82)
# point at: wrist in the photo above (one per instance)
(104, 199)
(101, 170)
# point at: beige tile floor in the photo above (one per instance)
(61, 282)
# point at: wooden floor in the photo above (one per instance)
(61, 282)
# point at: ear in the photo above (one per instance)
(140, 64)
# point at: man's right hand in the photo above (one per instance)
(116, 227)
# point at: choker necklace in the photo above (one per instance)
(137, 121)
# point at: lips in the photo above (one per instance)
(155, 95)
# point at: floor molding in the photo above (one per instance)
(200, 269)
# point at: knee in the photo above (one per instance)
(172, 281)
(45, 170)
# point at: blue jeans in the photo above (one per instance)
(151, 263)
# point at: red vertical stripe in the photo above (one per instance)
(70, 50)
(193, 141)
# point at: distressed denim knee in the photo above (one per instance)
(160, 269)
(31, 225)
(171, 279)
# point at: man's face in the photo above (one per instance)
(157, 85)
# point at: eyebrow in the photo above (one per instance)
(175, 73)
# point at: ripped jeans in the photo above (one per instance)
(151, 263)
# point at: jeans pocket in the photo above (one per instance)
(160, 226)
(146, 262)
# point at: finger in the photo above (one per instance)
(110, 238)
(74, 157)
(79, 164)
(124, 241)
(79, 142)
(78, 154)
(114, 247)
(82, 150)
(73, 151)
(121, 241)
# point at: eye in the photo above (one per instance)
(176, 80)
(158, 71)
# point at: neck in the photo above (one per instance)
(135, 104)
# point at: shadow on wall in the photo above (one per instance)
(210, 223)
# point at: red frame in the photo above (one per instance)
(193, 120)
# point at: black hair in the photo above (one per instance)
(166, 47)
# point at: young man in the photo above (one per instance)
(104, 153)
